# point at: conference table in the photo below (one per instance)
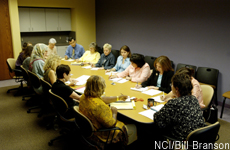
(116, 90)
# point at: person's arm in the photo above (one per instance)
(167, 97)
(124, 73)
(149, 81)
(111, 62)
(74, 95)
(52, 77)
(83, 57)
(144, 75)
(67, 53)
(99, 63)
(96, 58)
(118, 62)
(114, 113)
(166, 81)
(110, 99)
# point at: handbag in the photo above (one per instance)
(211, 114)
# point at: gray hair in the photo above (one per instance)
(53, 41)
(107, 45)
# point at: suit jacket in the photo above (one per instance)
(107, 62)
(165, 82)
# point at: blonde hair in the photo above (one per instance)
(165, 63)
(107, 45)
(95, 86)
(52, 62)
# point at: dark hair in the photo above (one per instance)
(28, 52)
(126, 48)
(62, 69)
(70, 39)
(182, 82)
(138, 59)
(188, 71)
(164, 62)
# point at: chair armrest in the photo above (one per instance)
(108, 129)
(16, 70)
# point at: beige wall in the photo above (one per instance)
(82, 17)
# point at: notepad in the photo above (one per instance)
(152, 92)
(157, 108)
(140, 89)
(122, 105)
(148, 113)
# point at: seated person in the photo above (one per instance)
(37, 59)
(27, 55)
(138, 71)
(107, 59)
(50, 68)
(51, 47)
(181, 115)
(92, 56)
(123, 61)
(196, 90)
(160, 78)
(102, 116)
(74, 50)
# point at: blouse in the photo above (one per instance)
(136, 74)
(181, 116)
(88, 57)
(120, 66)
(197, 92)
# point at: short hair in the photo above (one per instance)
(95, 86)
(28, 51)
(107, 45)
(94, 45)
(52, 62)
(70, 39)
(188, 71)
(126, 48)
(138, 59)
(62, 69)
(52, 40)
(182, 82)
(164, 62)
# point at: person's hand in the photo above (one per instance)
(112, 76)
(162, 97)
(153, 87)
(92, 65)
(108, 70)
(128, 78)
(66, 57)
(123, 97)
(77, 60)
(101, 68)
(138, 86)
(73, 82)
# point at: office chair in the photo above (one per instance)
(150, 60)
(207, 95)
(86, 128)
(205, 135)
(208, 76)
(12, 69)
(187, 66)
(64, 114)
(116, 53)
(225, 95)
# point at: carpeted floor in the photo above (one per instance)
(20, 130)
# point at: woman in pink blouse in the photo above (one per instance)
(196, 91)
(138, 71)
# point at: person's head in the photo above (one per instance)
(186, 70)
(93, 47)
(162, 64)
(52, 62)
(52, 43)
(39, 51)
(95, 86)
(107, 49)
(24, 46)
(137, 60)
(72, 42)
(125, 51)
(63, 72)
(181, 84)
(28, 51)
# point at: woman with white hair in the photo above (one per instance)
(51, 47)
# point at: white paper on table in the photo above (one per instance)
(109, 73)
(148, 113)
(68, 59)
(80, 90)
(152, 92)
(87, 67)
(140, 89)
(82, 79)
(157, 99)
(67, 82)
(116, 79)
(157, 108)
(122, 81)
(94, 68)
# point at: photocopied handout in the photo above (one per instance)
(152, 92)
(95, 69)
(139, 89)
(82, 79)
(148, 113)
(87, 67)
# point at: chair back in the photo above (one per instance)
(34, 79)
(150, 60)
(207, 134)
(45, 87)
(116, 53)
(207, 75)
(83, 123)
(58, 103)
(24, 73)
(207, 94)
(187, 66)
(11, 64)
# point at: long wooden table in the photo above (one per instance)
(116, 90)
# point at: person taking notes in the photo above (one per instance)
(74, 50)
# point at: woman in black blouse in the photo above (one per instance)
(160, 78)
(182, 114)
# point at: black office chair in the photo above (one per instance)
(116, 53)
(208, 76)
(150, 60)
(206, 135)
(64, 114)
(86, 128)
(12, 69)
(187, 66)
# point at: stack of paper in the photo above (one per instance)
(80, 90)
(152, 92)
(157, 108)
(140, 89)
